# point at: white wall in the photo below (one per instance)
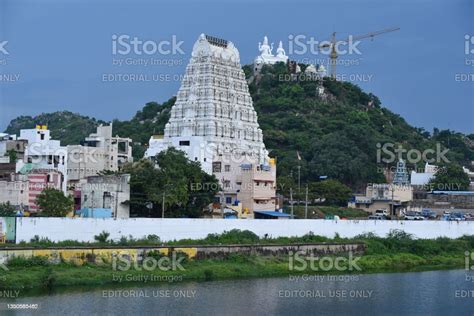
(84, 229)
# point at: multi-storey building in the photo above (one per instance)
(43, 153)
(38, 180)
(101, 151)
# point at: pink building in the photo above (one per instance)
(38, 181)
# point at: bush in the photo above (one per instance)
(234, 236)
(153, 238)
(102, 237)
(208, 274)
(28, 262)
(179, 255)
(155, 254)
(398, 234)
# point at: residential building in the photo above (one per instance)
(100, 152)
(389, 197)
(38, 180)
(43, 153)
(10, 143)
(103, 195)
(257, 191)
(15, 191)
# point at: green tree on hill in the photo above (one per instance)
(333, 191)
(450, 177)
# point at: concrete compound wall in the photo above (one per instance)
(84, 229)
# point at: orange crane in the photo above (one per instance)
(333, 43)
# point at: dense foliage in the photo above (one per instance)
(335, 134)
(70, 128)
(450, 177)
(185, 189)
(54, 203)
(7, 210)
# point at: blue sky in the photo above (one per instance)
(59, 51)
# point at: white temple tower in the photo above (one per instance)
(213, 121)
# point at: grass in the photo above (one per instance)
(397, 252)
(315, 212)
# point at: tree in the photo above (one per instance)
(333, 191)
(186, 188)
(7, 210)
(12, 155)
(54, 203)
(450, 177)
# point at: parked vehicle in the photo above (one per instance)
(377, 217)
(456, 216)
(383, 213)
(413, 216)
(428, 214)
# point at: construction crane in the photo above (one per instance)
(333, 43)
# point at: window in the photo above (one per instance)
(227, 168)
(184, 143)
(228, 200)
(227, 184)
(216, 167)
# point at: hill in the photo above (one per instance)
(70, 128)
(336, 134)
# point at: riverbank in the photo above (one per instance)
(47, 276)
(398, 252)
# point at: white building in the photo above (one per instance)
(213, 120)
(15, 191)
(423, 178)
(101, 152)
(43, 153)
(266, 56)
(470, 174)
(107, 193)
